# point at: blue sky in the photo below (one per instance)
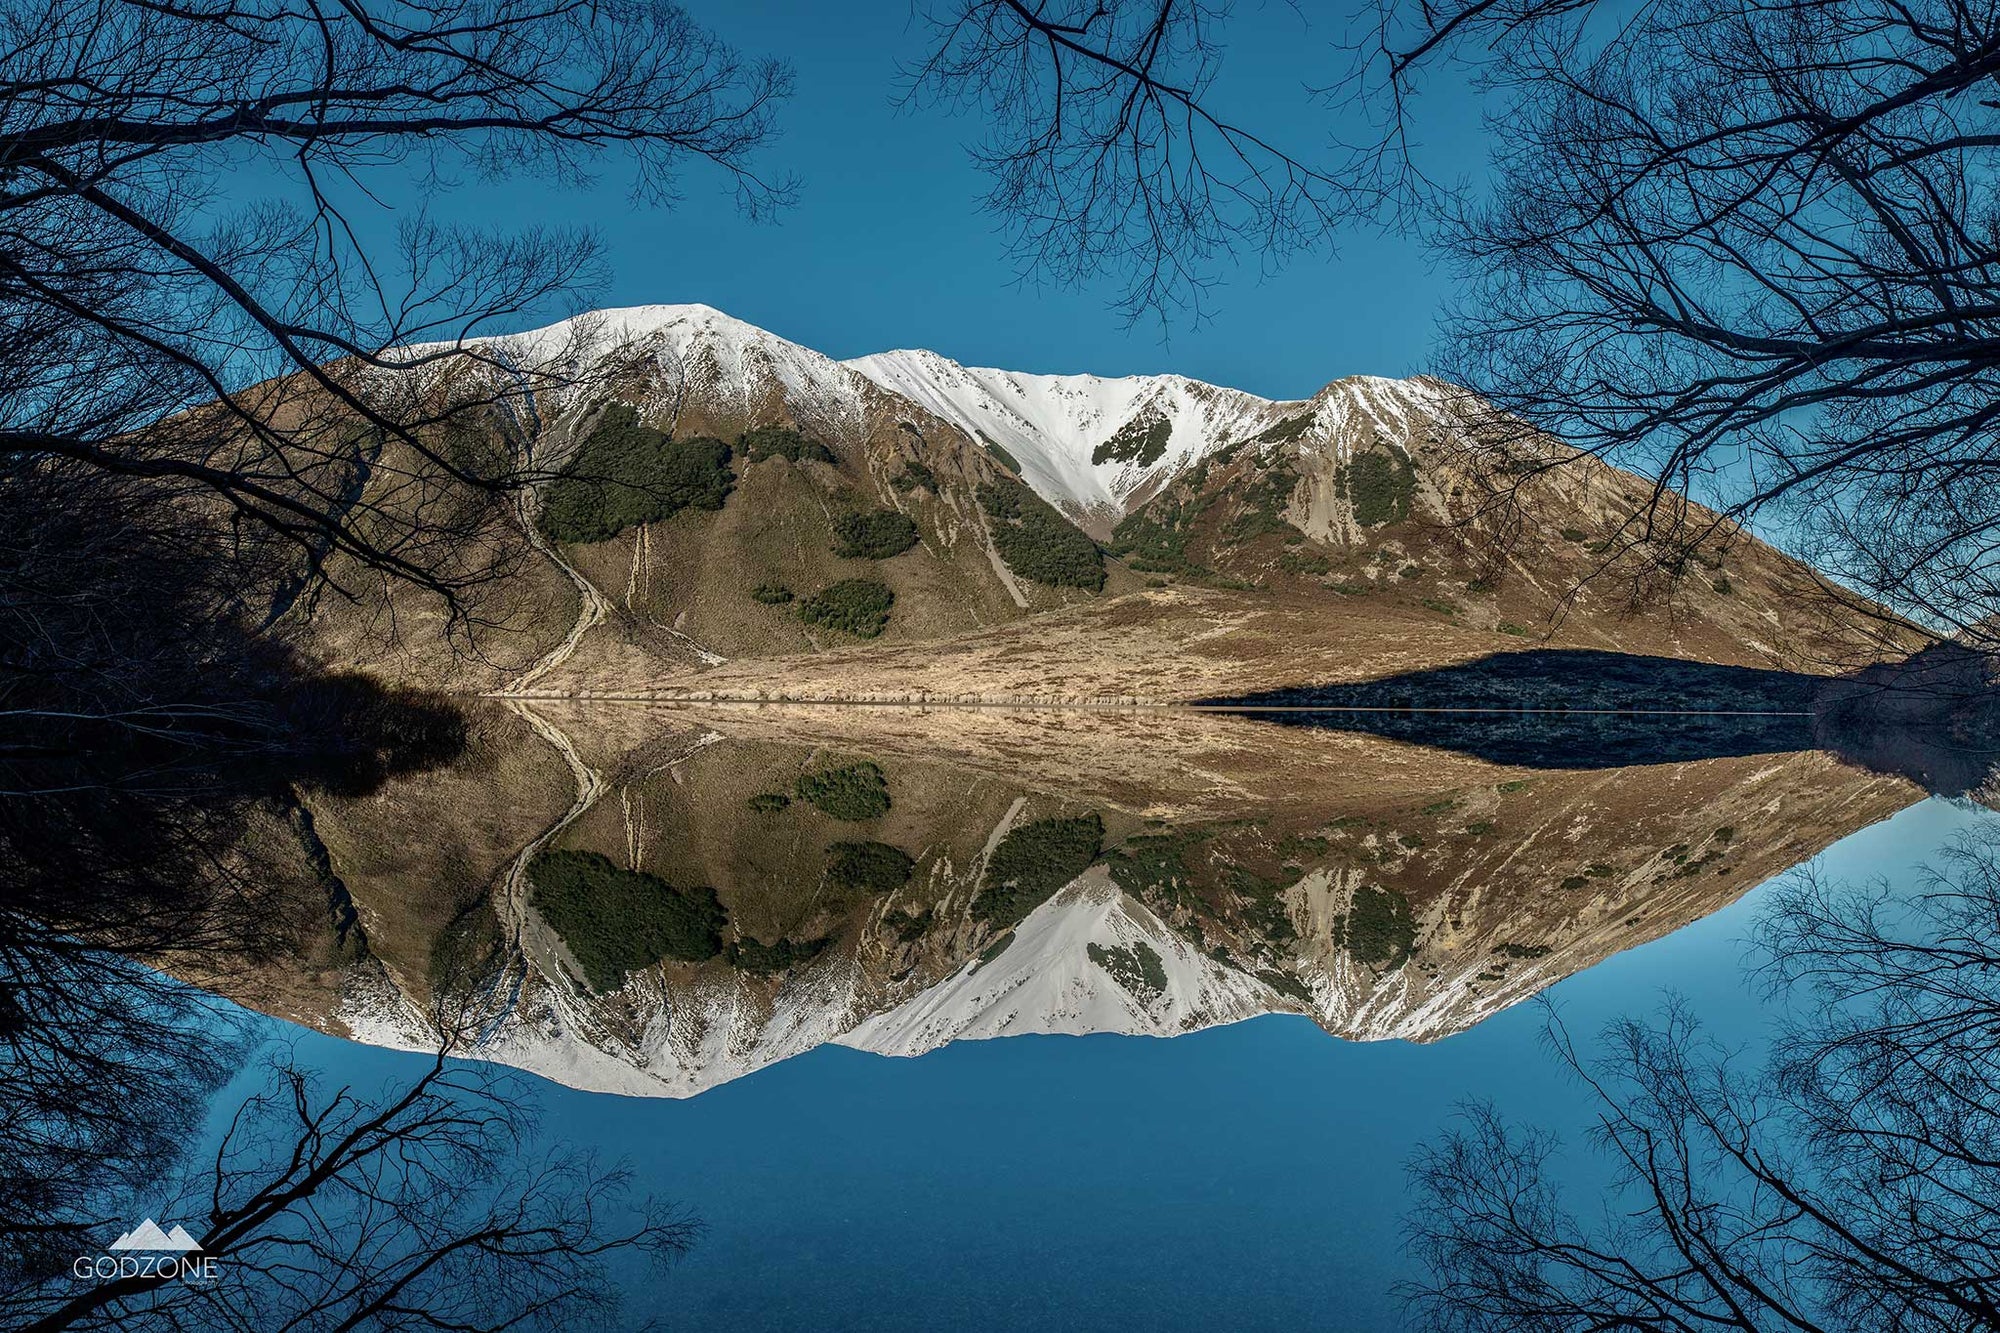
(887, 247)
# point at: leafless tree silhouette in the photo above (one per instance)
(208, 414)
(1106, 149)
(1850, 1181)
(243, 356)
(436, 1204)
(1748, 248)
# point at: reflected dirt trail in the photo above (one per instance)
(592, 610)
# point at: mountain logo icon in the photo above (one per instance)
(148, 1236)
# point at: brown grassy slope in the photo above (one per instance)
(1521, 538)
(425, 850)
(1521, 874)
(1514, 877)
(1163, 645)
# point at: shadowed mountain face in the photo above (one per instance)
(1933, 718)
(665, 898)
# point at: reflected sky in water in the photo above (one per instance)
(1247, 1176)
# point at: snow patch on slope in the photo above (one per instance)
(1349, 412)
(695, 351)
(1046, 981)
(1053, 424)
(695, 1039)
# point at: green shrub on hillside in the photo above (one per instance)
(1288, 429)
(1381, 487)
(909, 927)
(1153, 540)
(1380, 929)
(1286, 984)
(1153, 868)
(1139, 969)
(1000, 456)
(853, 606)
(615, 920)
(1032, 862)
(994, 949)
(769, 802)
(914, 475)
(1002, 500)
(875, 535)
(626, 474)
(771, 594)
(1142, 440)
(869, 867)
(856, 792)
(1038, 543)
(782, 442)
(1264, 500)
(753, 955)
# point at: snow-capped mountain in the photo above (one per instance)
(1090, 959)
(1094, 446)
(1240, 544)
(665, 356)
(1064, 431)
(1098, 448)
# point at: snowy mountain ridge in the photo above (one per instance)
(1057, 427)
(1094, 446)
(1090, 959)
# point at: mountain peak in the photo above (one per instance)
(1087, 443)
(1095, 446)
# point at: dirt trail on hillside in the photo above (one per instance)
(592, 610)
(532, 940)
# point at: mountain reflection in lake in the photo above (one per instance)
(672, 898)
(664, 900)
(1250, 1176)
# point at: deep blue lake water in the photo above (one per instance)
(1243, 1177)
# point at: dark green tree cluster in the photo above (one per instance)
(1380, 929)
(782, 442)
(771, 594)
(1032, 862)
(1000, 456)
(1142, 440)
(1153, 868)
(1284, 431)
(616, 920)
(868, 867)
(855, 792)
(1139, 969)
(1154, 540)
(1380, 486)
(1038, 543)
(769, 802)
(853, 606)
(626, 474)
(913, 475)
(753, 955)
(876, 534)
(1264, 500)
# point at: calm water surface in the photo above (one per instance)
(1245, 1177)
